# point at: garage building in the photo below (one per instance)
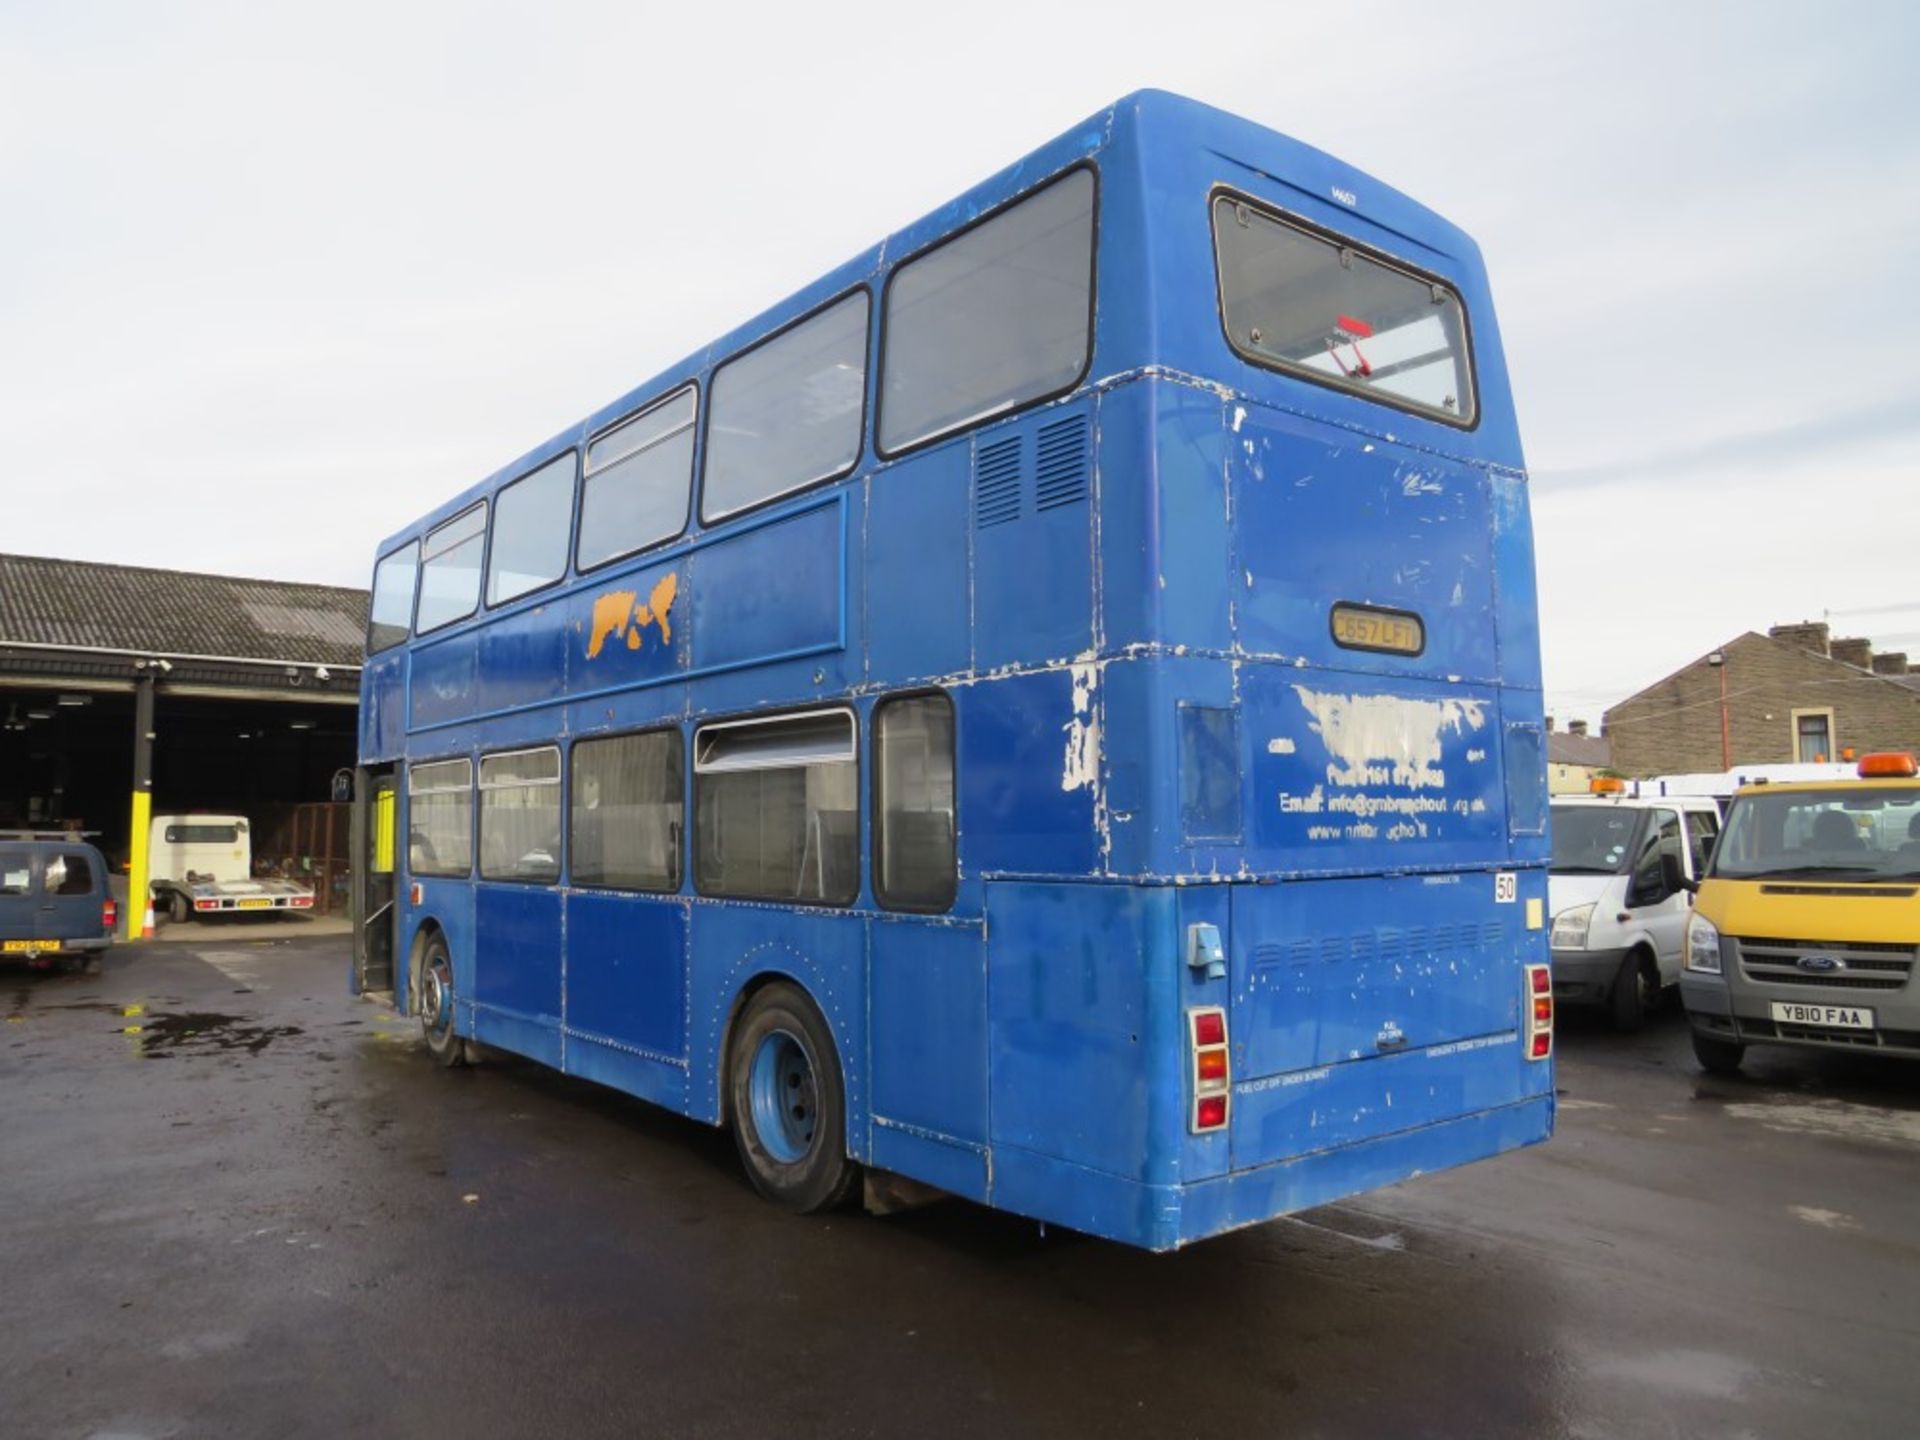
(127, 691)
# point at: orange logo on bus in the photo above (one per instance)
(618, 615)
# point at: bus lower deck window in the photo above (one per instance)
(440, 817)
(775, 809)
(627, 811)
(520, 815)
(913, 844)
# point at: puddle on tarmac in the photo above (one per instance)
(1839, 1119)
(163, 1035)
(1682, 1372)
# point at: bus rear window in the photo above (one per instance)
(202, 835)
(1314, 306)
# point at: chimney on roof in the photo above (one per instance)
(1855, 652)
(1549, 724)
(1576, 727)
(1808, 635)
(1894, 662)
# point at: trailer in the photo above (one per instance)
(202, 865)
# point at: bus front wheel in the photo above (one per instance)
(787, 1102)
(434, 1002)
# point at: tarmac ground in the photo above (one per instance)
(236, 1201)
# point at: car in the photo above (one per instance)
(1619, 887)
(55, 908)
(1806, 930)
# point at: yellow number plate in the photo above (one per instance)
(1363, 627)
(256, 904)
(13, 947)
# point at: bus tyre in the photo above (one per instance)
(1718, 1057)
(1636, 991)
(788, 1104)
(434, 1001)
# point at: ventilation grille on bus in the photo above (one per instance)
(996, 482)
(1060, 477)
(1392, 946)
(1031, 469)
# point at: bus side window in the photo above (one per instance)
(439, 818)
(390, 615)
(520, 815)
(639, 477)
(995, 317)
(531, 518)
(450, 570)
(626, 811)
(913, 845)
(774, 809)
(787, 413)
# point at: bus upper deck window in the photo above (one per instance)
(391, 612)
(1319, 307)
(639, 476)
(997, 316)
(450, 570)
(787, 413)
(531, 518)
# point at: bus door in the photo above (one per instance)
(375, 817)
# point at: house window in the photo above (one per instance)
(1812, 736)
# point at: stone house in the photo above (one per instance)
(1793, 694)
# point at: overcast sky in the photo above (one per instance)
(274, 279)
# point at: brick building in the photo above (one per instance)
(1791, 694)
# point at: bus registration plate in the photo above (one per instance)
(1367, 627)
(1832, 1017)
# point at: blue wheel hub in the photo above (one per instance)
(782, 1091)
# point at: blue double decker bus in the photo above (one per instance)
(1051, 711)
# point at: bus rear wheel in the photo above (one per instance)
(788, 1103)
(434, 1002)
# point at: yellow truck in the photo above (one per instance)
(1806, 925)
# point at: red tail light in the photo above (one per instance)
(109, 915)
(1212, 1082)
(1539, 1012)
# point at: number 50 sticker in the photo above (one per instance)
(1506, 887)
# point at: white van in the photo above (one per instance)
(1620, 907)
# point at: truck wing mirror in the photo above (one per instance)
(1673, 875)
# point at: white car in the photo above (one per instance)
(1619, 906)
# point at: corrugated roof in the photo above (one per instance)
(1565, 748)
(175, 612)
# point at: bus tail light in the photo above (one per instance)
(1539, 1012)
(1212, 1080)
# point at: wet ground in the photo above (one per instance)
(234, 1201)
